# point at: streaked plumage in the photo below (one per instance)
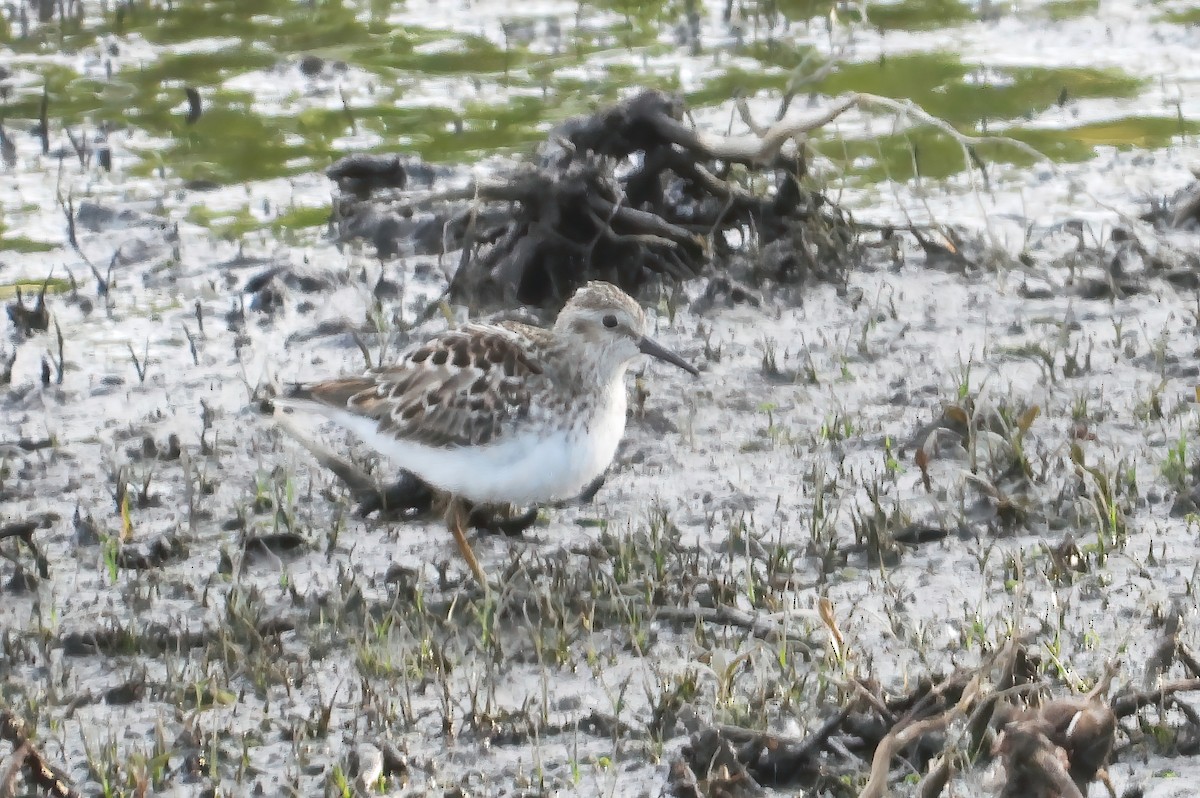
(507, 412)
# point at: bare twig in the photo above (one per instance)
(191, 345)
(79, 145)
(1104, 683)
(760, 626)
(359, 482)
(1127, 703)
(143, 365)
(8, 777)
(60, 362)
(905, 734)
(44, 120)
(778, 134)
(27, 756)
(1188, 658)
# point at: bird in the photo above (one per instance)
(503, 413)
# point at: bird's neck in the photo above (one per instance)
(595, 374)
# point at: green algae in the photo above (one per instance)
(926, 152)
(919, 14)
(1187, 17)
(31, 288)
(964, 94)
(1059, 10)
(23, 245)
(501, 97)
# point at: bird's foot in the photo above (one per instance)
(490, 521)
(407, 497)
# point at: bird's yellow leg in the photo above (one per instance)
(456, 518)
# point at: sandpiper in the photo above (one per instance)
(502, 413)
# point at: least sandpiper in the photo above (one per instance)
(502, 413)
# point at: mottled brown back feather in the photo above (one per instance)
(458, 389)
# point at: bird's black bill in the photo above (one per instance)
(653, 348)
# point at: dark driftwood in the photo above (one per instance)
(627, 194)
(1052, 748)
(27, 759)
(1034, 766)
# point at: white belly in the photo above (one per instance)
(526, 468)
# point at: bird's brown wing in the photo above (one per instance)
(457, 389)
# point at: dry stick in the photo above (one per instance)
(865, 694)
(1125, 704)
(43, 119)
(6, 367)
(79, 145)
(1185, 655)
(606, 231)
(744, 734)
(714, 185)
(469, 216)
(603, 226)
(790, 130)
(759, 626)
(781, 132)
(24, 529)
(1187, 711)
(29, 444)
(60, 364)
(936, 779)
(513, 191)
(363, 348)
(642, 220)
(898, 739)
(778, 134)
(822, 72)
(359, 482)
(711, 147)
(838, 747)
(192, 345)
(40, 772)
(1104, 683)
(797, 750)
(912, 110)
(1048, 760)
(8, 777)
(966, 143)
(19, 529)
(545, 228)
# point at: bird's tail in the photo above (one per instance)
(322, 396)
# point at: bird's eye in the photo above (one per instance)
(610, 321)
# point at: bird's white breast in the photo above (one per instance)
(528, 464)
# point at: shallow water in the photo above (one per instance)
(802, 424)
